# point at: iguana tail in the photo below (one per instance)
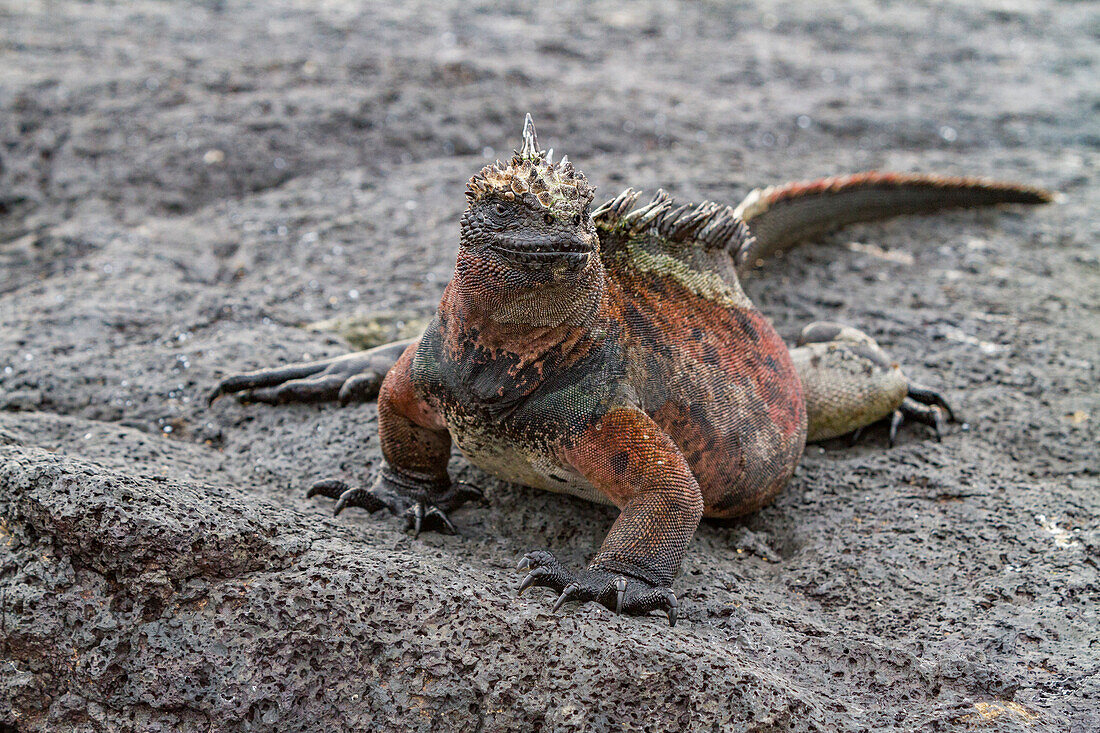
(780, 217)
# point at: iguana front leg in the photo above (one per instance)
(354, 377)
(416, 447)
(629, 458)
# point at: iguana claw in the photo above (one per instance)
(927, 396)
(421, 514)
(925, 406)
(896, 419)
(346, 496)
(422, 511)
(922, 405)
(620, 593)
(569, 589)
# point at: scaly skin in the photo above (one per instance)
(612, 354)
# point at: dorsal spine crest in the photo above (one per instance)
(531, 171)
(709, 224)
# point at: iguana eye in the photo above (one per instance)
(548, 218)
(576, 220)
(501, 209)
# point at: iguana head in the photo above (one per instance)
(530, 217)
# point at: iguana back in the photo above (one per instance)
(707, 366)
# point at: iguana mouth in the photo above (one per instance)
(573, 252)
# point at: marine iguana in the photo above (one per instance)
(611, 353)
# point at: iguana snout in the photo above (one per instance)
(569, 247)
(526, 245)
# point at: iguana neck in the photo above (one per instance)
(529, 320)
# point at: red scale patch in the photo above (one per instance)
(732, 396)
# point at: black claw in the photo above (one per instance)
(527, 582)
(924, 406)
(343, 501)
(346, 496)
(468, 492)
(332, 488)
(931, 397)
(442, 517)
(544, 570)
(564, 596)
(419, 514)
(930, 415)
(619, 593)
(385, 494)
(895, 422)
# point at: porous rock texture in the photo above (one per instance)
(184, 186)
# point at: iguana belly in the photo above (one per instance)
(519, 462)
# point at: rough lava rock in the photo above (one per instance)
(184, 187)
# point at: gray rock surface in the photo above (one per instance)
(184, 186)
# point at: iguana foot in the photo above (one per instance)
(618, 592)
(925, 406)
(922, 405)
(349, 378)
(425, 515)
(849, 382)
(421, 513)
(931, 397)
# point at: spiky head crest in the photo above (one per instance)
(532, 175)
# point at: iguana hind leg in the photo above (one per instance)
(355, 377)
(849, 383)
